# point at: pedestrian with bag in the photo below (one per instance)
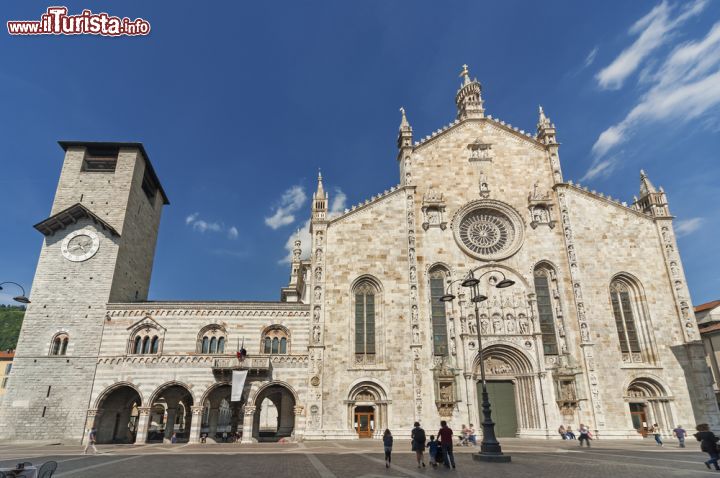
(418, 443)
(708, 444)
(388, 444)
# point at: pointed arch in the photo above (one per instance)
(366, 293)
(632, 319)
(437, 277)
(545, 276)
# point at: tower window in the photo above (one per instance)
(149, 186)
(100, 160)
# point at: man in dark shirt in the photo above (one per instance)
(446, 441)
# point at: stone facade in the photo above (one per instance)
(595, 328)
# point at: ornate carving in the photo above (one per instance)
(488, 230)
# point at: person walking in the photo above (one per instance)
(173, 438)
(387, 444)
(656, 433)
(446, 442)
(708, 444)
(680, 433)
(91, 438)
(432, 447)
(418, 443)
(584, 435)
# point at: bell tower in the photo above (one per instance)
(98, 247)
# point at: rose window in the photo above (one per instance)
(488, 230)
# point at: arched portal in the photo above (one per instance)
(170, 412)
(283, 401)
(649, 404)
(511, 390)
(367, 409)
(117, 417)
(221, 418)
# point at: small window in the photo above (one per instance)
(138, 345)
(211, 340)
(275, 340)
(145, 341)
(149, 186)
(59, 344)
(154, 345)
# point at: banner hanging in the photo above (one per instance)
(238, 383)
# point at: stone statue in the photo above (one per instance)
(316, 334)
(584, 333)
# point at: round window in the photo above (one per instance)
(488, 230)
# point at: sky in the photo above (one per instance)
(239, 104)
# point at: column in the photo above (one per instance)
(248, 425)
(195, 424)
(142, 427)
(212, 422)
(170, 423)
(299, 426)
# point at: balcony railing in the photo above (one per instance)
(259, 364)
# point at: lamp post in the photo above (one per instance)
(490, 449)
(20, 298)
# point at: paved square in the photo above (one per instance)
(356, 459)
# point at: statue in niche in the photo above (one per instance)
(578, 292)
(433, 216)
(316, 314)
(508, 303)
(568, 234)
(414, 313)
(416, 334)
(665, 234)
(510, 324)
(413, 275)
(524, 325)
(472, 326)
(318, 274)
(318, 293)
(674, 269)
(560, 328)
(581, 312)
(413, 293)
(584, 333)
(484, 326)
(497, 324)
(453, 350)
(316, 334)
(318, 255)
(411, 254)
(446, 394)
(484, 187)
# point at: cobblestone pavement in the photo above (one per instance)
(363, 459)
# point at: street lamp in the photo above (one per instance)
(490, 449)
(20, 298)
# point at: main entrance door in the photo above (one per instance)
(502, 401)
(364, 421)
(639, 417)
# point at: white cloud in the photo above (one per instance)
(688, 226)
(290, 202)
(601, 168)
(684, 86)
(202, 226)
(338, 203)
(590, 59)
(654, 29)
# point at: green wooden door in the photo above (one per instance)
(502, 403)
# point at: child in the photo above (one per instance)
(433, 446)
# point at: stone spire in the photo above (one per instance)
(646, 187)
(546, 133)
(405, 137)
(651, 200)
(320, 201)
(468, 98)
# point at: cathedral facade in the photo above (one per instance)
(596, 328)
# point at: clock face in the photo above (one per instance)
(80, 245)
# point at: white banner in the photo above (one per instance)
(238, 382)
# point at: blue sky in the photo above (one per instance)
(239, 105)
